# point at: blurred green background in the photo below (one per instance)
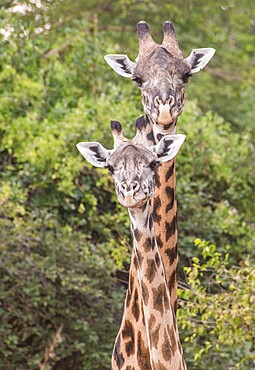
(65, 241)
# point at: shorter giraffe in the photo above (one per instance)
(149, 340)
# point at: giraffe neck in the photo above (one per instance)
(160, 321)
(151, 329)
(165, 224)
(165, 209)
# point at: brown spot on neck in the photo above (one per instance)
(143, 354)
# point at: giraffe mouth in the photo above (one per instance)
(164, 117)
(133, 202)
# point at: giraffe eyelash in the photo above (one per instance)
(186, 77)
(138, 81)
(110, 169)
(153, 165)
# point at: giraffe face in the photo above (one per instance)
(133, 169)
(162, 79)
(161, 72)
(132, 165)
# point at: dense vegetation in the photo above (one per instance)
(65, 242)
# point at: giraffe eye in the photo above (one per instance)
(186, 77)
(110, 169)
(153, 165)
(138, 81)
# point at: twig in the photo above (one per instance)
(49, 351)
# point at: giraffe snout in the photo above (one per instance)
(130, 188)
(164, 107)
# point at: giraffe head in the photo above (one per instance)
(161, 72)
(131, 164)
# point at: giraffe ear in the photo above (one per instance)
(168, 147)
(94, 153)
(120, 63)
(198, 58)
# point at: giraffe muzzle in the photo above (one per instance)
(131, 194)
(164, 110)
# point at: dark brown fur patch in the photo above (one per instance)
(159, 241)
(131, 283)
(156, 208)
(139, 256)
(172, 280)
(137, 235)
(153, 242)
(170, 172)
(135, 306)
(159, 296)
(130, 348)
(151, 270)
(143, 318)
(166, 348)
(150, 223)
(154, 331)
(157, 179)
(170, 196)
(128, 330)
(171, 254)
(135, 263)
(167, 127)
(145, 293)
(170, 228)
(147, 244)
(150, 137)
(157, 259)
(118, 357)
(143, 354)
(175, 306)
(129, 338)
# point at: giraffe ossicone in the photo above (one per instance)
(148, 338)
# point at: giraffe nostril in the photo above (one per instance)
(123, 186)
(134, 186)
(171, 101)
(157, 101)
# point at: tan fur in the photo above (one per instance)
(160, 227)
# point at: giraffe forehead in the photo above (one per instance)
(131, 155)
(160, 60)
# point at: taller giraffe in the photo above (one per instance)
(161, 72)
(152, 341)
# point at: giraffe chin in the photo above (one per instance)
(165, 119)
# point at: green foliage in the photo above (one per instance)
(215, 174)
(63, 236)
(217, 314)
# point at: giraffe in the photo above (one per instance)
(148, 340)
(161, 72)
